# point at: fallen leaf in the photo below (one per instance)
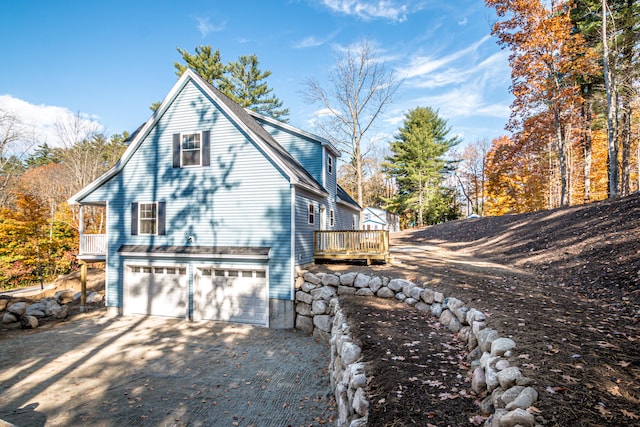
(570, 379)
(554, 390)
(630, 414)
(624, 364)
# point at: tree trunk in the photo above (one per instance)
(562, 158)
(625, 136)
(611, 139)
(587, 150)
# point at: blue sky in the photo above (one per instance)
(109, 60)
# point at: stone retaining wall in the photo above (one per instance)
(509, 392)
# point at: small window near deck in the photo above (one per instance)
(332, 218)
(353, 222)
(311, 213)
(330, 164)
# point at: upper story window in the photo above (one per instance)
(312, 213)
(329, 164)
(191, 149)
(148, 218)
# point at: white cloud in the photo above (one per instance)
(205, 26)
(392, 10)
(463, 22)
(424, 64)
(464, 101)
(41, 120)
(313, 41)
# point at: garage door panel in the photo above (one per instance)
(231, 295)
(157, 291)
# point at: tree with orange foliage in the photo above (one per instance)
(546, 55)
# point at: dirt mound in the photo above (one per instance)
(564, 284)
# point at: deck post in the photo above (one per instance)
(83, 285)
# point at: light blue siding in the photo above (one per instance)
(304, 230)
(242, 199)
(306, 151)
(345, 217)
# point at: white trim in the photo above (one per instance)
(293, 256)
(140, 233)
(174, 255)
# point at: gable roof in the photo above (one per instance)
(297, 174)
(345, 198)
(300, 132)
(375, 216)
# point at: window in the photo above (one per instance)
(354, 222)
(190, 149)
(148, 217)
(330, 164)
(311, 213)
(331, 218)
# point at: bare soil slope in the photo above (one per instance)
(565, 284)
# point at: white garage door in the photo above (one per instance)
(231, 294)
(158, 290)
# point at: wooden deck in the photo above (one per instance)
(368, 245)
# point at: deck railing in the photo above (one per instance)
(93, 244)
(351, 244)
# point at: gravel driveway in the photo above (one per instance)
(144, 371)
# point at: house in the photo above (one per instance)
(379, 219)
(211, 210)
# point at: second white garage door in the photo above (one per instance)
(231, 294)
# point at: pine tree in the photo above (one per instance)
(418, 164)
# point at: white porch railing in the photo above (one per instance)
(93, 244)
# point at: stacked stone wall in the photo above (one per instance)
(492, 358)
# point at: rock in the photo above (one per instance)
(330, 280)
(375, 284)
(346, 290)
(360, 403)
(94, 298)
(38, 307)
(509, 376)
(502, 364)
(420, 306)
(407, 286)
(304, 323)
(451, 303)
(445, 317)
(410, 301)
(396, 285)
(325, 292)
(463, 334)
(28, 322)
(527, 397)
(436, 309)
(427, 295)
(9, 318)
(474, 315)
(415, 293)
(324, 336)
(454, 325)
(485, 337)
(486, 406)
(303, 308)
(304, 297)
(438, 297)
(507, 396)
(350, 353)
(4, 423)
(365, 292)
(501, 345)
(64, 296)
(323, 322)
(385, 292)
(358, 381)
(319, 307)
(299, 282)
(35, 313)
(362, 281)
(17, 308)
(77, 296)
(460, 313)
(3, 303)
(476, 327)
(517, 417)
(348, 278)
(478, 381)
(312, 278)
(491, 377)
(308, 286)
(360, 422)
